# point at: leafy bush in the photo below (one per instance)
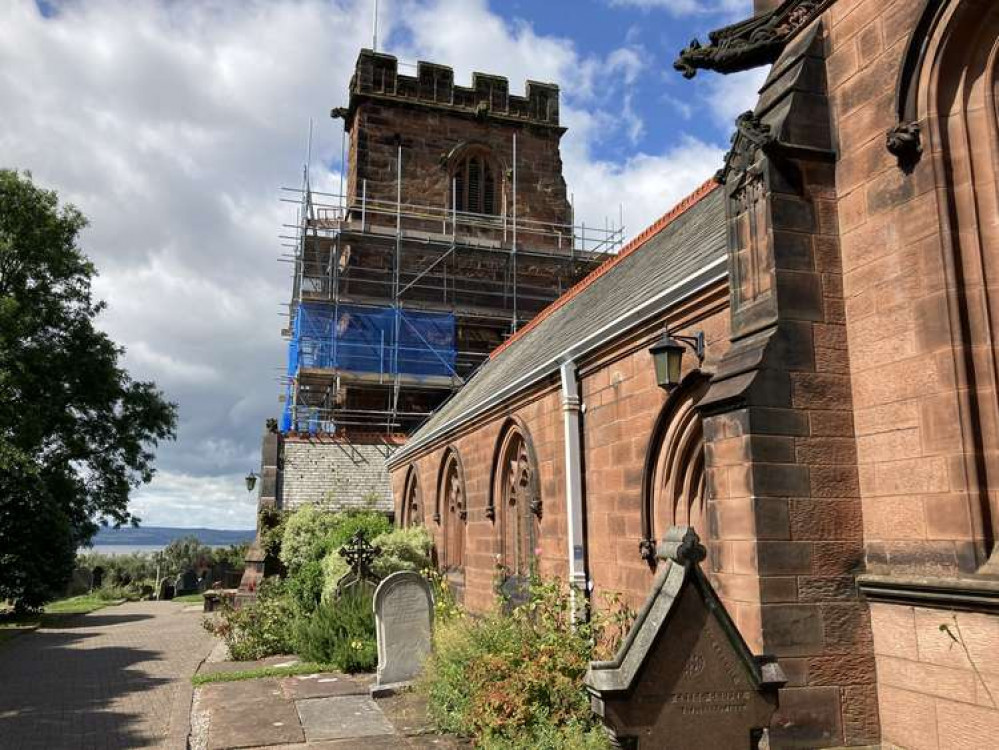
(305, 586)
(515, 681)
(307, 536)
(311, 534)
(341, 633)
(258, 629)
(402, 549)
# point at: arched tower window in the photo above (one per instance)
(412, 500)
(475, 181)
(673, 482)
(517, 498)
(452, 510)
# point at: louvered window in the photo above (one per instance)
(475, 186)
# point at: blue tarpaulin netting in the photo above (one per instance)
(383, 340)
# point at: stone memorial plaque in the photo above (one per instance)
(684, 677)
(404, 612)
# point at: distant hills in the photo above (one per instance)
(163, 535)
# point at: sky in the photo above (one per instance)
(173, 124)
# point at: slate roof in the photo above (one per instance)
(683, 251)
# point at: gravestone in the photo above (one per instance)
(684, 677)
(515, 591)
(166, 591)
(81, 582)
(404, 615)
(186, 583)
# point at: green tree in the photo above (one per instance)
(76, 432)
(186, 553)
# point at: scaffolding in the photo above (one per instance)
(402, 302)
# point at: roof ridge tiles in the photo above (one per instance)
(636, 242)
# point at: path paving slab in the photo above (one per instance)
(249, 714)
(342, 717)
(323, 685)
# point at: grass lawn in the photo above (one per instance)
(258, 672)
(189, 599)
(52, 616)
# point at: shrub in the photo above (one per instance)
(341, 633)
(259, 629)
(305, 586)
(312, 534)
(307, 535)
(515, 681)
(402, 549)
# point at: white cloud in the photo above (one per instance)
(742, 8)
(172, 125)
(730, 95)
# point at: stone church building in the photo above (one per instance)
(833, 430)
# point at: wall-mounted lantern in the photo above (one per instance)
(667, 355)
(251, 481)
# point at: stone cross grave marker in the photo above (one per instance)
(404, 615)
(684, 677)
(359, 554)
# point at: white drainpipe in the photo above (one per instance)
(571, 418)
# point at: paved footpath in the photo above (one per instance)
(116, 678)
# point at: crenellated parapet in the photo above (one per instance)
(377, 76)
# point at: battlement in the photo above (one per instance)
(377, 74)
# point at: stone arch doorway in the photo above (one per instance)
(673, 487)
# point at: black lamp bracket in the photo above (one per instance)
(695, 342)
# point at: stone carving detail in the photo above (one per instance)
(647, 549)
(904, 141)
(751, 137)
(751, 43)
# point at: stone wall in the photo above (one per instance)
(919, 256)
(389, 110)
(334, 474)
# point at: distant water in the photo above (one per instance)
(128, 549)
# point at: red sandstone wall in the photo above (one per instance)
(622, 402)
(906, 367)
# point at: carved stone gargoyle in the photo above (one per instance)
(684, 677)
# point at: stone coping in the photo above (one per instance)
(968, 593)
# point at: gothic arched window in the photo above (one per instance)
(452, 511)
(517, 499)
(475, 182)
(673, 483)
(412, 500)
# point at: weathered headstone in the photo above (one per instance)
(186, 583)
(404, 616)
(166, 591)
(684, 677)
(81, 582)
(515, 592)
